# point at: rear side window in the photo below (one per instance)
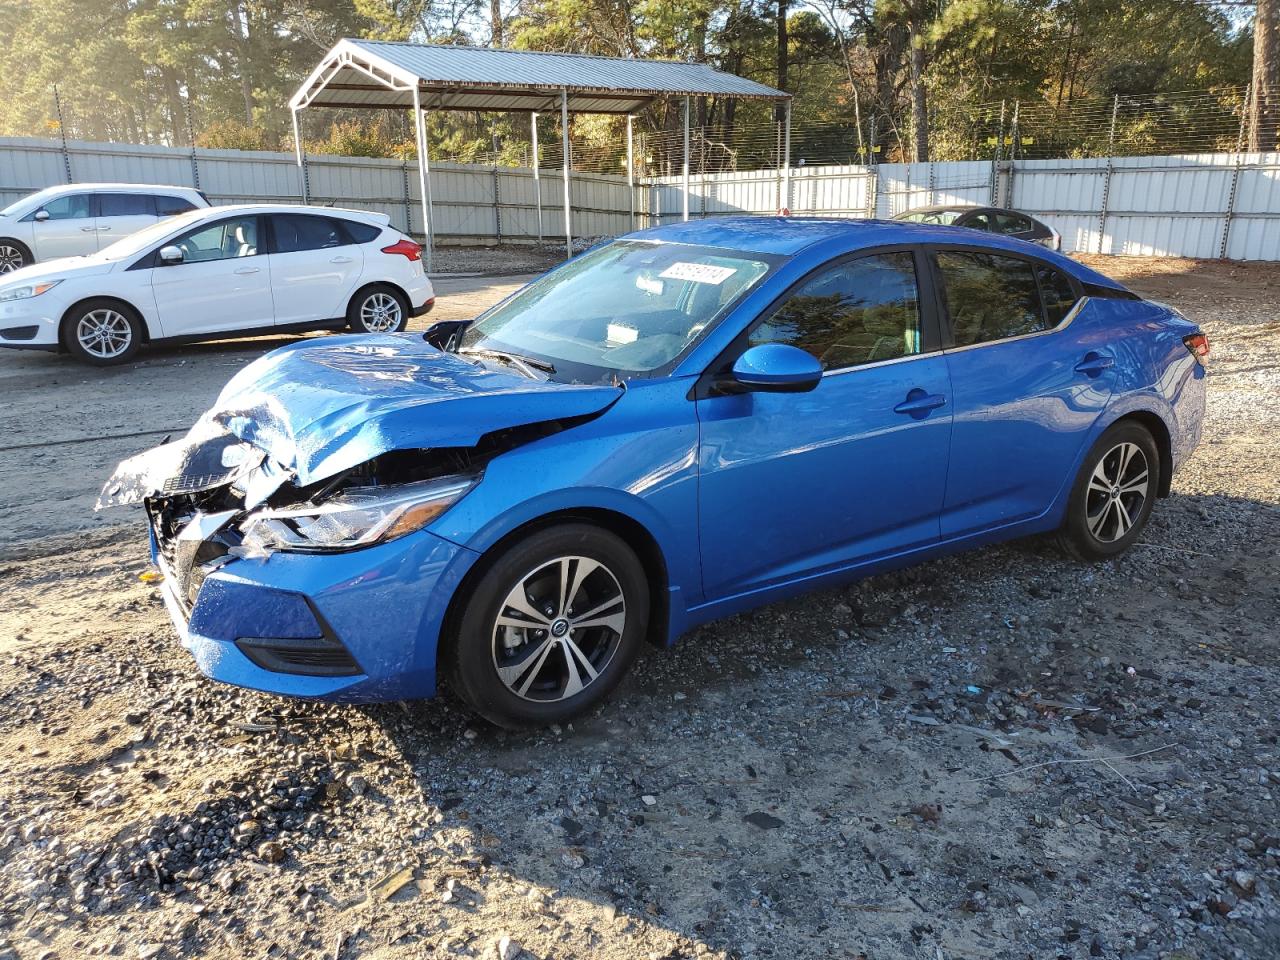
(295, 232)
(1058, 294)
(126, 205)
(361, 232)
(856, 312)
(167, 206)
(989, 297)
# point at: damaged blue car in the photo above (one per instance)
(674, 426)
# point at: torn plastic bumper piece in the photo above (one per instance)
(357, 627)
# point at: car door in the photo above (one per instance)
(223, 282)
(1030, 373)
(120, 214)
(794, 484)
(314, 267)
(69, 230)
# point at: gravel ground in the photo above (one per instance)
(998, 755)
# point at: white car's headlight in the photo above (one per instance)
(28, 290)
(358, 517)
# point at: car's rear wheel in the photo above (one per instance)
(1113, 494)
(550, 627)
(14, 256)
(102, 332)
(378, 309)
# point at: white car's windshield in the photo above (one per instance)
(624, 308)
(21, 202)
(135, 243)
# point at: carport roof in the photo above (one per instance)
(377, 74)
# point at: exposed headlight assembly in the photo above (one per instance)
(357, 517)
(28, 290)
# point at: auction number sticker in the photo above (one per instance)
(698, 272)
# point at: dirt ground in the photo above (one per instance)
(998, 755)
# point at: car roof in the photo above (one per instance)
(62, 188)
(295, 208)
(788, 236)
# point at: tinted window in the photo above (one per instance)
(72, 207)
(126, 205)
(857, 312)
(1057, 293)
(989, 297)
(978, 221)
(361, 232)
(1011, 223)
(223, 240)
(172, 206)
(294, 232)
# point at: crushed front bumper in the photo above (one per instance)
(353, 627)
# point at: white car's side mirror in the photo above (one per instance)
(171, 254)
(41, 216)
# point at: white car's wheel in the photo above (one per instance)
(102, 332)
(378, 309)
(14, 256)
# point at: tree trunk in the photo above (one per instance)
(780, 111)
(919, 99)
(495, 22)
(242, 37)
(1264, 127)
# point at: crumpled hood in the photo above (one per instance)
(318, 407)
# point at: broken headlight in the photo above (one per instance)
(356, 517)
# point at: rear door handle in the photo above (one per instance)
(340, 260)
(104, 228)
(245, 271)
(1094, 363)
(919, 403)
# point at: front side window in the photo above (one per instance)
(1011, 223)
(989, 297)
(125, 205)
(626, 307)
(860, 311)
(74, 206)
(224, 240)
(295, 232)
(979, 221)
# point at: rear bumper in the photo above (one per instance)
(354, 627)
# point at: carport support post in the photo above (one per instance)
(297, 149)
(424, 175)
(564, 146)
(631, 170)
(685, 168)
(786, 160)
(537, 182)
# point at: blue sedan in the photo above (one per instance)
(675, 426)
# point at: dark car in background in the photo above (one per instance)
(1010, 223)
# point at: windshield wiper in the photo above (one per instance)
(525, 365)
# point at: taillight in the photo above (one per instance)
(1198, 344)
(406, 248)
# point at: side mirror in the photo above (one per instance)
(41, 215)
(775, 368)
(171, 255)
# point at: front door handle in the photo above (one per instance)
(1094, 363)
(919, 403)
(88, 229)
(340, 260)
(245, 271)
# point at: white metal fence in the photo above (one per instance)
(1201, 205)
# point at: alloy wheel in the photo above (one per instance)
(11, 258)
(1117, 492)
(558, 628)
(380, 313)
(104, 333)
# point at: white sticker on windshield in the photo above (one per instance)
(617, 333)
(698, 272)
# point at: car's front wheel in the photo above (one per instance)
(378, 309)
(1113, 494)
(14, 256)
(550, 627)
(102, 332)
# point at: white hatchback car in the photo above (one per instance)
(82, 218)
(217, 273)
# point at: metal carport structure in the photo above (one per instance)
(386, 75)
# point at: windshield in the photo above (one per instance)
(137, 242)
(31, 198)
(944, 217)
(629, 307)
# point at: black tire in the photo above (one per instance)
(370, 306)
(14, 255)
(118, 316)
(1094, 529)
(476, 645)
